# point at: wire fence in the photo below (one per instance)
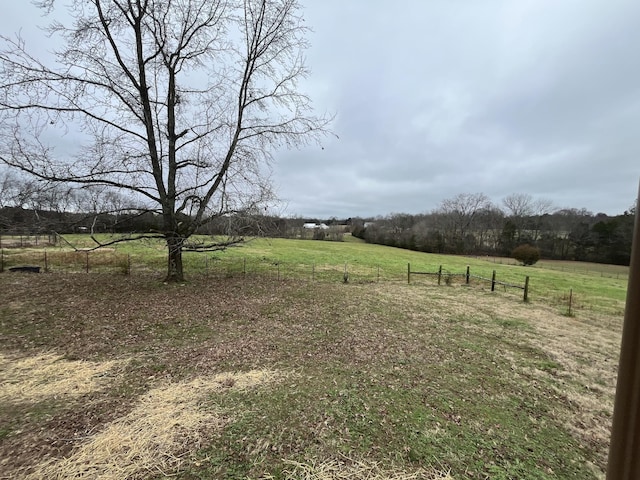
(56, 260)
(27, 240)
(112, 261)
(107, 260)
(619, 272)
(447, 277)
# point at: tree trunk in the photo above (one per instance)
(174, 259)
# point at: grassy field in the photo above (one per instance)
(241, 376)
(595, 287)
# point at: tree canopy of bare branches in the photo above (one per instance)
(460, 211)
(177, 103)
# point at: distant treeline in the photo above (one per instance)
(26, 221)
(469, 224)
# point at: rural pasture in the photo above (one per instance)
(268, 374)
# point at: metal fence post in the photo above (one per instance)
(439, 274)
(467, 275)
(526, 288)
(493, 281)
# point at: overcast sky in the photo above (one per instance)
(438, 97)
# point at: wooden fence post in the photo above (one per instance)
(128, 264)
(244, 266)
(570, 300)
(526, 289)
(46, 262)
(467, 275)
(624, 461)
(87, 264)
(439, 274)
(493, 281)
(408, 273)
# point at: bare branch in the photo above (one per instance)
(213, 246)
(133, 238)
(164, 100)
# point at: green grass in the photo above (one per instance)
(598, 269)
(412, 376)
(592, 286)
(373, 262)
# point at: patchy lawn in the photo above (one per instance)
(104, 376)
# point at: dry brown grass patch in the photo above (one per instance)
(586, 349)
(356, 470)
(32, 379)
(587, 379)
(157, 436)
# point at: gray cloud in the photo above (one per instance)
(442, 97)
(446, 96)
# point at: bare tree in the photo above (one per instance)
(489, 222)
(523, 210)
(542, 208)
(458, 214)
(7, 188)
(177, 102)
(519, 207)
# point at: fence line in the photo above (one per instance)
(87, 261)
(111, 261)
(25, 240)
(74, 261)
(279, 270)
(467, 276)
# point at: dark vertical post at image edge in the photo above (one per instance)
(624, 460)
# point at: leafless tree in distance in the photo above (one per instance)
(458, 214)
(180, 103)
(522, 208)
